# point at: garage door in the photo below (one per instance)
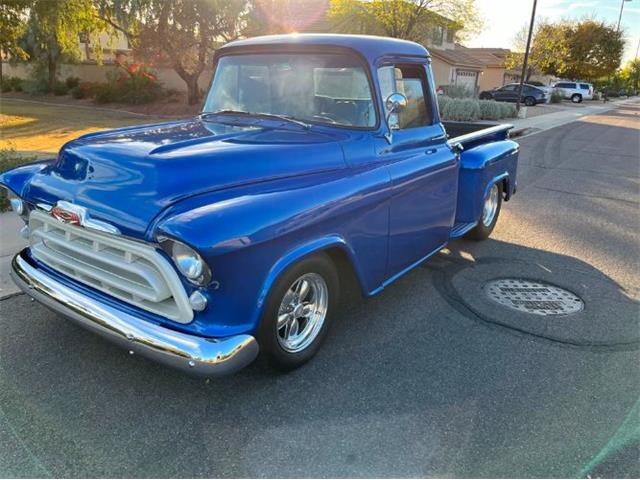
(466, 78)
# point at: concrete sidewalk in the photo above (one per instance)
(539, 123)
(10, 243)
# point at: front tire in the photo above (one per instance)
(490, 213)
(576, 98)
(298, 312)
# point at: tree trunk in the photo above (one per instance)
(193, 91)
(52, 66)
(191, 79)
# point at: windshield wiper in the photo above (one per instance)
(286, 118)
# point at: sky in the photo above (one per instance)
(503, 19)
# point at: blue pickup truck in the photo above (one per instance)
(201, 243)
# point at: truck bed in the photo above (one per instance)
(469, 134)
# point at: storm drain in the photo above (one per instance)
(533, 297)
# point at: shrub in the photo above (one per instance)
(490, 110)
(35, 87)
(134, 84)
(12, 83)
(507, 110)
(105, 93)
(443, 100)
(85, 90)
(60, 88)
(461, 109)
(556, 96)
(458, 91)
(16, 83)
(72, 82)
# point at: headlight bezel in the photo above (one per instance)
(187, 260)
(17, 204)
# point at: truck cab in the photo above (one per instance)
(203, 242)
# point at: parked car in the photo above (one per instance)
(547, 89)
(509, 93)
(575, 91)
(201, 242)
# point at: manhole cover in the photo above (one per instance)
(533, 297)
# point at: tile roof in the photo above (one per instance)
(456, 57)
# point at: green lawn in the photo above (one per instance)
(40, 129)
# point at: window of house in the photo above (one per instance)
(450, 35)
(438, 35)
(411, 81)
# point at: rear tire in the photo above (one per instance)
(576, 98)
(490, 213)
(529, 101)
(293, 327)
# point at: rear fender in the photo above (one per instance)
(481, 167)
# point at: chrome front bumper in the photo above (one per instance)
(197, 355)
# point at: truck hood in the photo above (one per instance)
(127, 177)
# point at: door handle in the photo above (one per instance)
(431, 151)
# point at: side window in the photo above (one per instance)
(571, 85)
(509, 88)
(411, 81)
(584, 86)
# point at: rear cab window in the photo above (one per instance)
(411, 81)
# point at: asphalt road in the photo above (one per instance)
(427, 379)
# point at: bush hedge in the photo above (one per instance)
(11, 83)
(556, 96)
(471, 109)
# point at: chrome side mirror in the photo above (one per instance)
(395, 103)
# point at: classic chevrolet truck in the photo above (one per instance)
(201, 243)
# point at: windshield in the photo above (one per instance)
(318, 88)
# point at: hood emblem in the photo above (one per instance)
(66, 216)
(67, 212)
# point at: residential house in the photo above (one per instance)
(494, 71)
(451, 65)
(114, 47)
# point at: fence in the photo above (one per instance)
(98, 73)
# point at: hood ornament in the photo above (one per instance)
(67, 212)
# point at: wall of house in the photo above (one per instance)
(441, 72)
(98, 73)
(491, 77)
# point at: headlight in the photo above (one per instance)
(187, 260)
(18, 205)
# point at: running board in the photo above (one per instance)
(459, 229)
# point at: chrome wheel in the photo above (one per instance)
(302, 312)
(490, 206)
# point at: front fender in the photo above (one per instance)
(250, 235)
(17, 179)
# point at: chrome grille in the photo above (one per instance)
(128, 270)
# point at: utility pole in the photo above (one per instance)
(620, 16)
(526, 54)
